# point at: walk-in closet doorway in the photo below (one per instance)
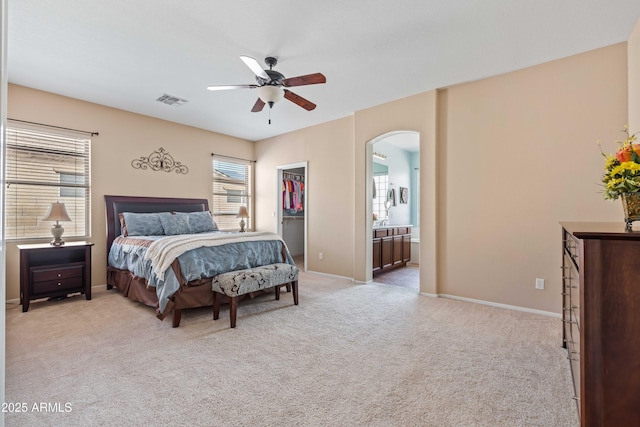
(292, 192)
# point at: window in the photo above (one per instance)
(235, 196)
(42, 168)
(232, 182)
(67, 178)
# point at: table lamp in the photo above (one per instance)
(242, 214)
(57, 212)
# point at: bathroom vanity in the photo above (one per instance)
(391, 247)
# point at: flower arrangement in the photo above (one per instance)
(375, 217)
(622, 169)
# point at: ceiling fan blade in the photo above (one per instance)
(226, 87)
(309, 79)
(298, 100)
(255, 67)
(258, 106)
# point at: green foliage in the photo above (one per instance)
(622, 170)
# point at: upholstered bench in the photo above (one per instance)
(242, 282)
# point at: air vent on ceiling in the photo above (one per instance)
(171, 100)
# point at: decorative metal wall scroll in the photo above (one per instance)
(159, 160)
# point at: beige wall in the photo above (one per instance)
(123, 137)
(518, 154)
(502, 160)
(416, 113)
(329, 190)
(633, 51)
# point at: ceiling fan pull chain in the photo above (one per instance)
(269, 115)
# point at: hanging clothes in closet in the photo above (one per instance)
(292, 193)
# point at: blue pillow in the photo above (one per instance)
(142, 224)
(175, 223)
(201, 222)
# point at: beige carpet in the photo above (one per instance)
(348, 355)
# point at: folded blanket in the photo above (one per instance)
(164, 251)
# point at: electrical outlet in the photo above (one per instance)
(321, 256)
(540, 284)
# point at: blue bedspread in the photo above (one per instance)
(128, 254)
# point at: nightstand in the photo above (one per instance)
(54, 271)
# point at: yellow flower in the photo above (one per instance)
(625, 167)
(622, 169)
(610, 161)
(611, 184)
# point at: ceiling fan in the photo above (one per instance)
(272, 85)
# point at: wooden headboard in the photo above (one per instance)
(119, 204)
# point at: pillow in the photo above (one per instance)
(175, 223)
(123, 225)
(201, 222)
(141, 224)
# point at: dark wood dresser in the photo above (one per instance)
(601, 317)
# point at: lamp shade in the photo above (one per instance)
(57, 212)
(270, 94)
(242, 212)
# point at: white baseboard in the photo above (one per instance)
(351, 279)
(429, 295)
(482, 302)
(495, 304)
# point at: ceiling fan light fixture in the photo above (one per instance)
(270, 94)
(273, 86)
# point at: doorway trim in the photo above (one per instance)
(279, 219)
(369, 196)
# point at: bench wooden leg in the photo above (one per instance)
(277, 293)
(233, 309)
(216, 306)
(294, 286)
(177, 315)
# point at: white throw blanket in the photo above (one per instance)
(163, 251)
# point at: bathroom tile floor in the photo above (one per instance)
(406, 277)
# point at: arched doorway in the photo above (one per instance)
(393, 207)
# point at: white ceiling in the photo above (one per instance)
(408, 141)
(125, 54)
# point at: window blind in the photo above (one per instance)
(232, 183)
(42, 168)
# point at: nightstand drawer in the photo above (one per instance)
(50, 286)
(57, 272)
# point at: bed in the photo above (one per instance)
(186, 283)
